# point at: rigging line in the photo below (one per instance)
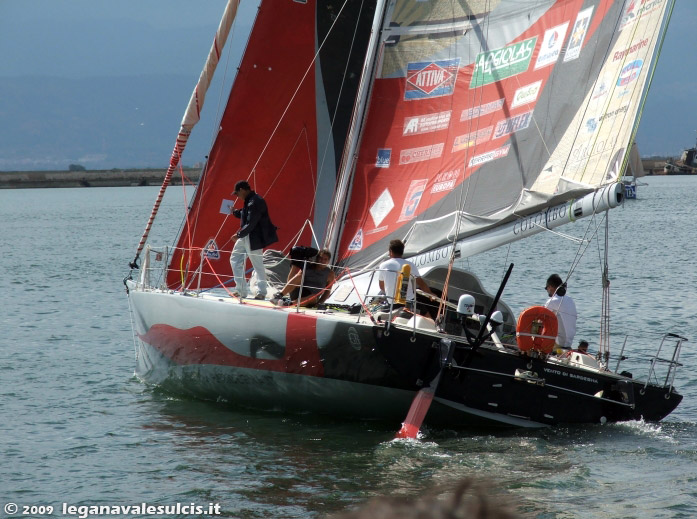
(320, 168)
(191, 115)
(463, 191)
(479, 89)
(186, 224)
(218, 118)
(557, 233)
(302, 133)
(581, 250)
(534, 119)
(462, 194)
(297, 89)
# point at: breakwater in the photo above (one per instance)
(92, 178)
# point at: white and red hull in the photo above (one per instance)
(261, 356)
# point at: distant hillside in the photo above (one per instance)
(49, 123)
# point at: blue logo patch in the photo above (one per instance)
(383, 158)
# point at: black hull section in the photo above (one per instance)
(507, 387)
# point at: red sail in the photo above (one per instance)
(282, 131)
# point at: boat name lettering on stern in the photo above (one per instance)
(570, 375)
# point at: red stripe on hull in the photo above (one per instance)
(199, 346)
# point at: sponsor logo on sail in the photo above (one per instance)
(613, 113)
(591, 125)
(512, 125)
(592, 148)
(578, 34)
(468, 140)
(498, 64)
(478, 111)
(551, 45)
(381, 207)
(636, 9)
(357, 242)
(211, 250)
(629, 72)
(621, 54)
(601, 89)
(383, 158)
(526, 94)
(489, 156)
(445, 181)
(419, 124)
(411, 201)
(411, 155)
(427, 79)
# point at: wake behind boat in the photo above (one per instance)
(455, 126)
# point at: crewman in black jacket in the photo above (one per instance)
(256, 232)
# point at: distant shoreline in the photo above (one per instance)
(91, 178)
(144, 177)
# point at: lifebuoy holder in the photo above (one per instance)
(536, 329)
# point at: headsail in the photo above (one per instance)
(192, 115)
(485, 112)
(283, 129)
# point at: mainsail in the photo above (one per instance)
(485, 112)
(283, 130)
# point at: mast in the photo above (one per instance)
(348, 160)
(192, 115)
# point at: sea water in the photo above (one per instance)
(78, 430)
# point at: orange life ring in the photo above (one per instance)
(536, 329)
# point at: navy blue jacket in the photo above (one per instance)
(256, 222)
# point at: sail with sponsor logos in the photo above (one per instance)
(498, 110)
(454, 125)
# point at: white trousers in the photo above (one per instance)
(240, 252)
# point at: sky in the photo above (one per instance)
(79, 39)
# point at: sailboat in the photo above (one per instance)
(456, 126)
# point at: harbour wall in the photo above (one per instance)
(92, 178)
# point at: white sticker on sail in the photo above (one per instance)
(551, 45)
(526, 94)
(211, 250)
(357, 242)
(418, 124)
(382, 207)
(420, 154)
(478, 111)
(445, 181)
(578, 34)
(411, 201)
(489, 156)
